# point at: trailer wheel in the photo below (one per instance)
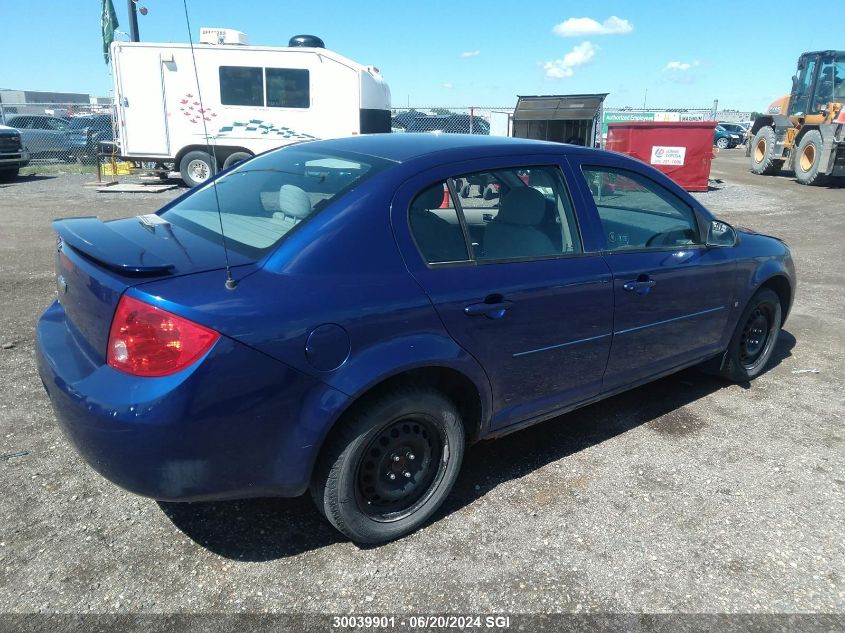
(763, 161)
(234, 159)
(808, 157)
(197, 167)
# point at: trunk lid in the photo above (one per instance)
(97, 261)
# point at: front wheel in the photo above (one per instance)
(808, 159)
(755, 337)
(722, 143)
(388, 467)
(763, 160)
(197, 168)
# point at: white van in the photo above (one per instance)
(254, 98)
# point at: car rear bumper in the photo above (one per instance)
(235, 424)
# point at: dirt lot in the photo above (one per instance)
(686, 495)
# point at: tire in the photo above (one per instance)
(808, 157)
(413, 434)
(197, 167)
(755, 337)
(488, 192)
(722, 143)
(234, 159)
(9, 174)
(763, 161)
(465, 190)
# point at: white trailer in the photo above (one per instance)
(254, 98)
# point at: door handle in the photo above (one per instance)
(494, 310)
(641, 285)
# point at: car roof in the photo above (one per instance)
(401, 148)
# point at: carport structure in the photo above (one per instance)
(561, 118)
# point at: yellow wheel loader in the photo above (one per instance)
(804, 131)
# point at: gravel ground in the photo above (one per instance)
(685, 495)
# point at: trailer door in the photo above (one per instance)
(141, 102)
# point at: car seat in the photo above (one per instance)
(513, 232)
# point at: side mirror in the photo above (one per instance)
(721, 234)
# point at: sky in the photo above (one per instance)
(459, 54)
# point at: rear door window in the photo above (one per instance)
(518, 213)
(436, 226)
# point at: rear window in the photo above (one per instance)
(269, 196)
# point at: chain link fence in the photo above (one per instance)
(76, 132)
(457, 120)
(498, 121)
(69, 132)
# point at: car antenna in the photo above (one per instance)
(231, 284)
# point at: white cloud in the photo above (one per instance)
(466, 54)
(681, 66)
(578, 27)
(578, 56)
(448, 85)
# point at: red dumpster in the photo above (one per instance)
(681, 150)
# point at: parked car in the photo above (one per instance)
(451, 123)
(737, 128)
(13, 154)
(45, 136)
(723, 139)
(88, 133)
(370, 326)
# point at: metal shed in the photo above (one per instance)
(561, 118)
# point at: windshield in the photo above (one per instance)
(267, 197)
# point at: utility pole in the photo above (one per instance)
(133, 22)
(645, 98)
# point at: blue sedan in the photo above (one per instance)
(334, 317)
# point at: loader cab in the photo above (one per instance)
(820, 80)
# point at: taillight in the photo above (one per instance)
(147, 341)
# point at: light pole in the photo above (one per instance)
(133, 19)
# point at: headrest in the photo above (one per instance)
(294, 202)
(430, 198)
(524, 205)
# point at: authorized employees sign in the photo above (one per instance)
(662, 155)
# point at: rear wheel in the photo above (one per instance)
(197, 167)
(763, 161)
(755, 337)
(234, 159)
(808, 156)
(390, 465)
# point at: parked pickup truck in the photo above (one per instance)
(13, 155)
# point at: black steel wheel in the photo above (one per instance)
(399, 467)
(754, 338)
(389, 464)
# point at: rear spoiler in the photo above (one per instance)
(95, 240)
